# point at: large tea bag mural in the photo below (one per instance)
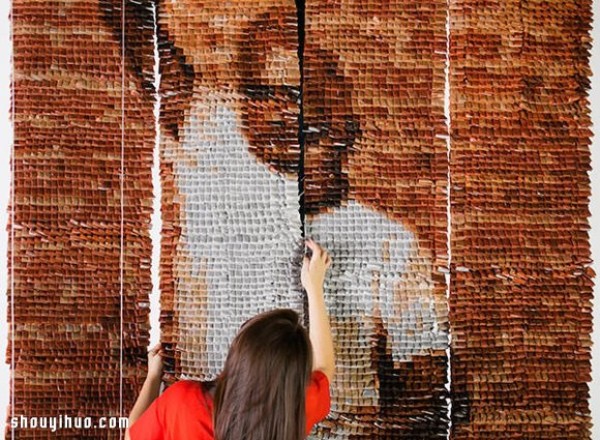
(79, 330)
(375, 170)
(521, 278)
(229, 159)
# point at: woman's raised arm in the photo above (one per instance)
(313, 277)
(151, 387)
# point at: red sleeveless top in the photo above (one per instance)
(184, 411)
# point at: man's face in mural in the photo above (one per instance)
(269, 110)
(269, 79)
(331, 130)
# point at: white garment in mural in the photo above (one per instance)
(240, 218)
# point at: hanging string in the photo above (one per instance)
(448, 210)
(12, 228)
(121, 178)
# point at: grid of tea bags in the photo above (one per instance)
(521, 279)
(70, 356)
(375, 175)
(229, 162)
(375, 171)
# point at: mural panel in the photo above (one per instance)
(229, 161)
(79, 330)
(375, 177)
(521, 282)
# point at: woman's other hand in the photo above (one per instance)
(155, 362)
(151, 388)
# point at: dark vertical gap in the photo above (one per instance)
(300, 12)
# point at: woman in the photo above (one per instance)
(274, 386)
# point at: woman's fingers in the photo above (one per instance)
(316, 249)
(155, 349)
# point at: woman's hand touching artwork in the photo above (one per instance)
(314, 267)
(155, 362)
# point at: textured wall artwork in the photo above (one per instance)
(229, 160)
(521, 284)
(67, 212)
(343, 100)
(375, 168)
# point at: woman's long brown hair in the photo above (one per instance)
(260, 395)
